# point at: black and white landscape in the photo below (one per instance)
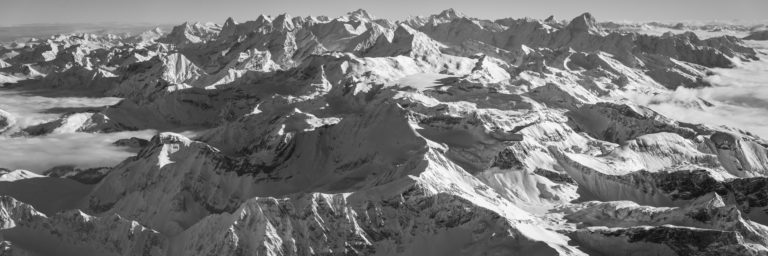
(431, 135)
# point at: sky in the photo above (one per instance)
(15, 12)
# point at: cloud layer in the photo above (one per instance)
(739, 95)
(30, 109)
(41, 153)
(84, 150)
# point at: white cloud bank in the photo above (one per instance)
(739, 95)
(41, 153)
(83, 150)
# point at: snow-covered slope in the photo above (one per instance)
(437, 135)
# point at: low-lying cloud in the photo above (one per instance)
(41, 153)
(30, 109)
(84, 150)
(739, 95)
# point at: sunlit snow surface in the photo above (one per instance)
(422, 81)
(739, 95)
(40, 153)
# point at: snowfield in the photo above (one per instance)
(433, 135)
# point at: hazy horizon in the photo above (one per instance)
(36, 12)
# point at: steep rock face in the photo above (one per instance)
(342, 224)
(73, 232)
(85, 176)
(359, 136)
(186, 108)
(405, 41)
(707, 212)
(10, 249)
(4, 64)
(76, 78)
(656, 54)
(128, 192)
(584, 23)
(392, 219)
(446, 15)
(683, 47)
(337, 164)
(75, 122)
(47, 194)
(14, 211)
(757, 35)
(334, 169)
(158, 75)
(618, 123)
(232, 30)
(741, 157)
(132, 142)
(189, 34)
(665, 240)
(653, 152)
(678, 188)
(6, 121)
(250, 137)
(83, 52)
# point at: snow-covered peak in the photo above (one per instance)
(172, 138)
(228, 28)
(361, 15)
(405, 41)
(191, 33)
(436, 135)
(449, 14)
(283, 22)
(147, 36)
(584, 23)
(17, 175)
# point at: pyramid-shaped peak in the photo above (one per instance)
(283, 21)
(708, 201)
(229, 28)
(450, 13)
(263, 19)
(360, 14)
(584, 23)
(283, 18)
(230, 21)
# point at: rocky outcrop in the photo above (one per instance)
(435, 135)
(10, 176)
(159, 75)
(190, 33)
(742, 157)
(75, 122)
(664, 240)
(619, 123)
(6, 121)
(75, 232)
(85, 176)
(757, 35)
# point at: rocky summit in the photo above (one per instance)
(433, 135)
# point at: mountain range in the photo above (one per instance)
(433, 135)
